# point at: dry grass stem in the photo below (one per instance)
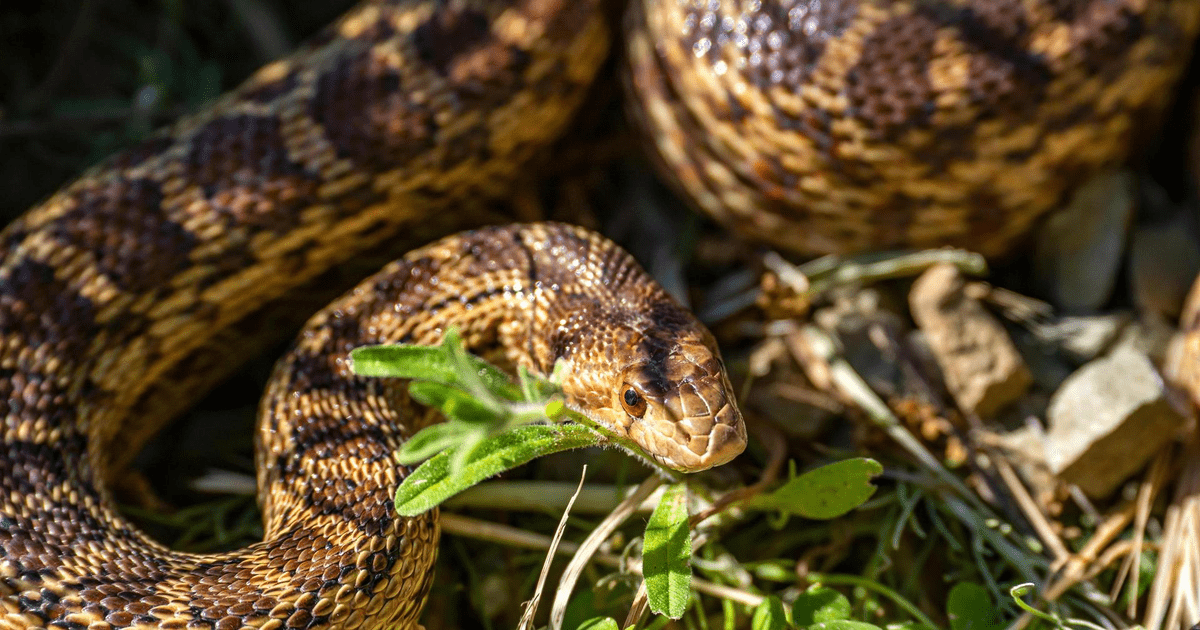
(1172, 602)
(604, 529)
(531, 605)
(459, 525)
(1147, 490)
(637, 609)
(544, 496)
(1030, 509)
(1076, 568)
(826, 272)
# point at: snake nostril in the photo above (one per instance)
(682, 436)
(728, 416)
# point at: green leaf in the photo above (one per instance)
(824, 493)
(769, 615)
(844, 624)
(429, 442)
(432, 483)
(424, 362)
(970, 607)
(454, 403)
(599, 623)
(908, 625)
(819, 604)
(443, 363)
(466, 450)
(666, 560)
(534, 387)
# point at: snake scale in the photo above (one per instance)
(817, 125)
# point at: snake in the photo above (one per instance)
(812, 125)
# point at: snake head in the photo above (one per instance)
(672, 398)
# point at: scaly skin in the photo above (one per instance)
(888, 123)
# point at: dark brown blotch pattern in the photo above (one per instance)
(367, 116)
(154, 235)
(45, 312)
(446, 35)
(890, 139)
(888, 89)
(138, 250)
(244, 169)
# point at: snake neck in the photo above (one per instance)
(513, 294)
(529, 296)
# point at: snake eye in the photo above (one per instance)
(634, 404)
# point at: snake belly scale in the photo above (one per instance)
(399, 121)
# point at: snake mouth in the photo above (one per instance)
(697, 428)
(688, 450)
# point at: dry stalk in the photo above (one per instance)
(1172, 602)
(532, 604)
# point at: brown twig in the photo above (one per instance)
(1147, 490)
(1030, 509)
(1172, 602)
(531, 606)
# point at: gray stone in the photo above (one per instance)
(1078, 252)
(1150, 335)
(855, 319)
(981, 367)
(1083, 338)
(1045, 360)
(1107, 420)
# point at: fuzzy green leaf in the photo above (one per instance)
(599, 623)
(666, 561)
(534, 387)
(970, 607)
(432, 483)
(909, 625)
(441, 363)
(769, 615)
(819, 604)
(429, 442)
(843, 624)
(406, 361)
(824, 493)
(454, 403)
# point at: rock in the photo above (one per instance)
(1164, 258)
(862, 324)
(981, 367)
(1078, 252)
(1054, 347)
(1150, 335)
(1045, 360)
(1107, 420)
(1083, 338)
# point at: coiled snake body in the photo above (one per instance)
(399, 119)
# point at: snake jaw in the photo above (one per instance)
(708, 425)
(689, 421)
(699, 427)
